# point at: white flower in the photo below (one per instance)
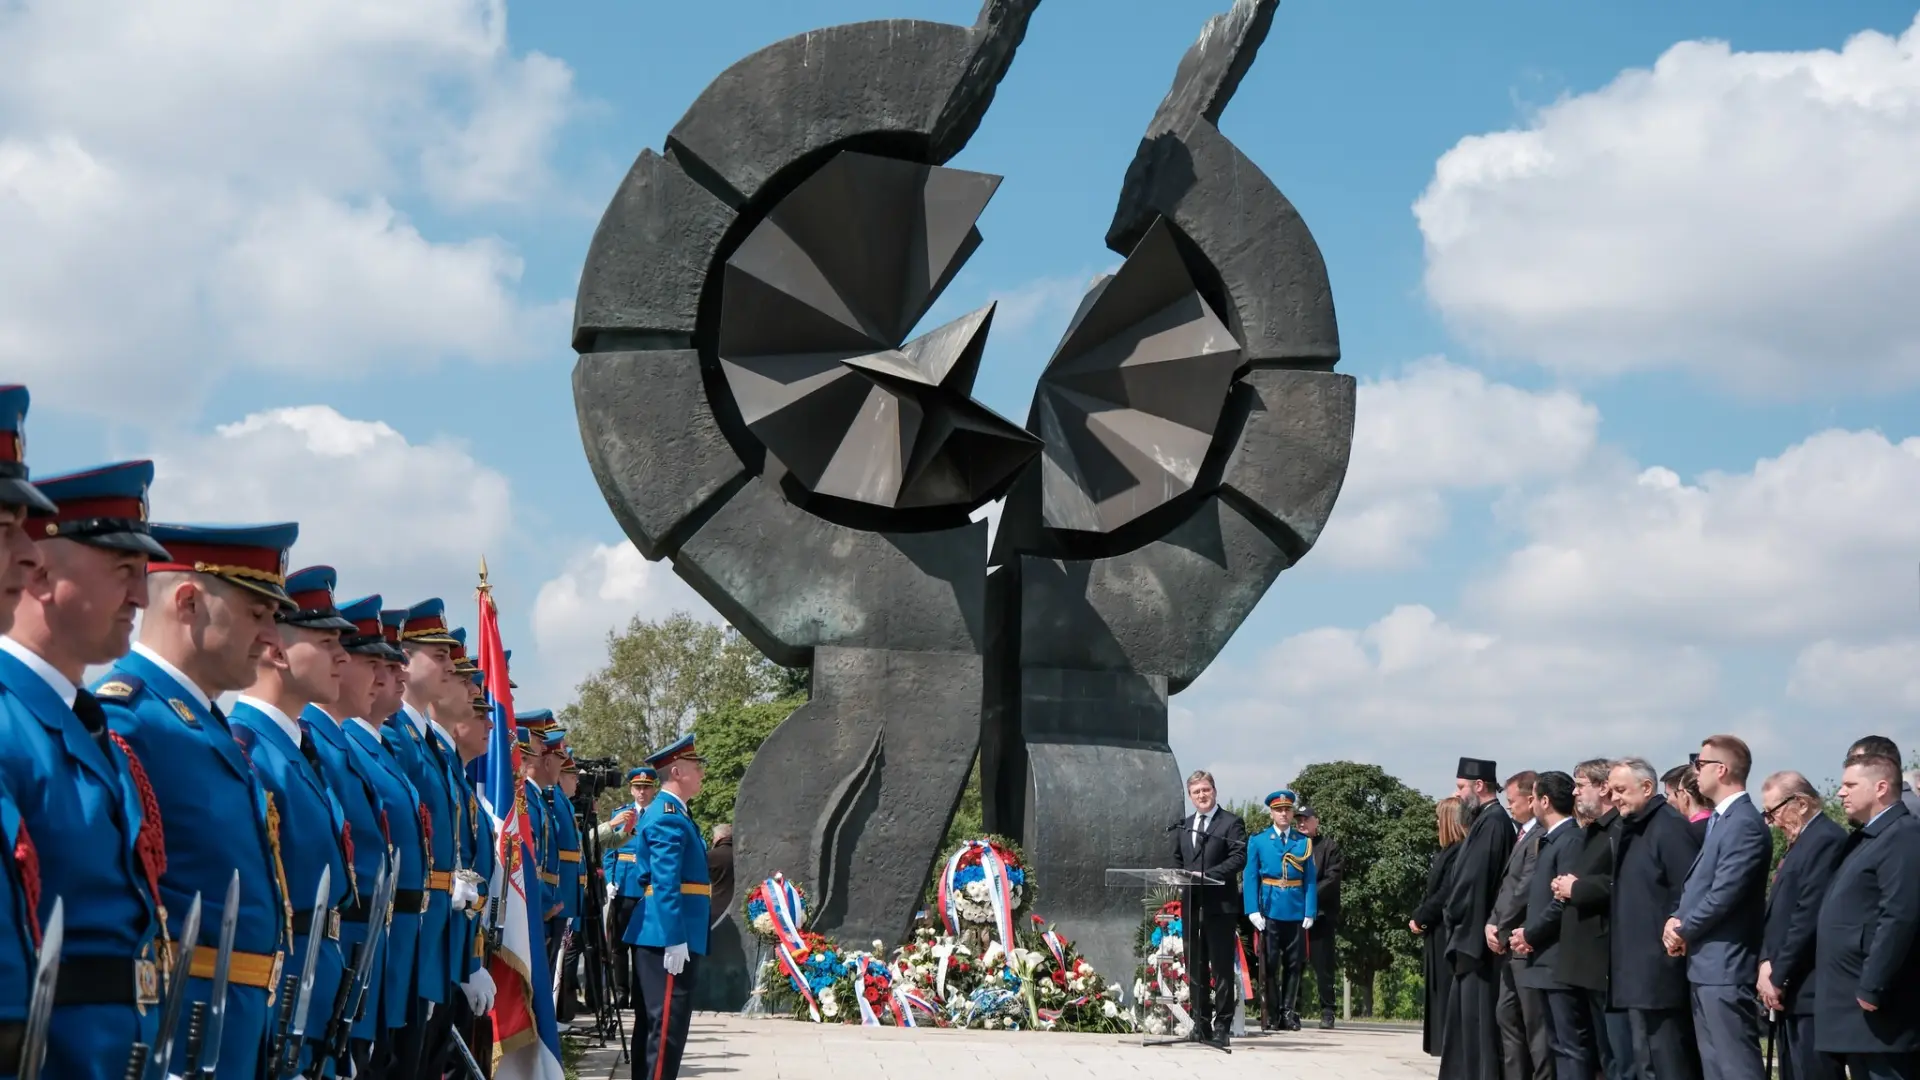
(826, 996)
(1109, 1010)
(829, 1010)
(878, 945)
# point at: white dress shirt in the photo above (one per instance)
(55, 681)
(371, 729)
(287, 726)
(179, 676)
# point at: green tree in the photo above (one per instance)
(728, 738)
(1385, 830)
(659, 676)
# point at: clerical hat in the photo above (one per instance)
(1476, 769)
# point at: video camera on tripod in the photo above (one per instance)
(596, 775)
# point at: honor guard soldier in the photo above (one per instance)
(210, 614)
(624, 866)
(572, 883)
(302, 668)
(469, 720)
(426, 752)
(88, 804)
(351, 775)
(406, 826)
(19, 931)
(671, 932)
(1280, 884)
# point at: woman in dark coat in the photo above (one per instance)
(1451, 823)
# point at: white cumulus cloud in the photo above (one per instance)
(1748, 216)
(403, 519)
(1820, 540)
(602, 589)
(1436, 429)
(1412, 692)
(211, 185)
(1880, 680)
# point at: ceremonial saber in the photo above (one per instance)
(46, 977)
(217, 999)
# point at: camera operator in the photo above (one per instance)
(625, 871)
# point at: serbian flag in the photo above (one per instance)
(526, 1041)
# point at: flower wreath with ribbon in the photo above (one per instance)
(985, 887)
(775, 911)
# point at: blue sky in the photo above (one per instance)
(318, 261)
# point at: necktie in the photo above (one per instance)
(1711, 822)
(1199, 827)
(94, 718)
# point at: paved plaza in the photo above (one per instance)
(728, 1045)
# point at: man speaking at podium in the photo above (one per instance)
(1211, 841)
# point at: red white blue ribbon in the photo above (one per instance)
(783, 905)
(798, 974)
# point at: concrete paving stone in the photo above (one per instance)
(727, 1045)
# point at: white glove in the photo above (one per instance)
(480, 991)
(675, 959)
(1259, 921)
(1306, 923)
(464, 895)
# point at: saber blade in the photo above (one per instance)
(33, 1047)
(222, 969)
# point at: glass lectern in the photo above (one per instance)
(1160, 988)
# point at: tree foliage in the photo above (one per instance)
(728, 738)
(1385, 830)
(660, 676)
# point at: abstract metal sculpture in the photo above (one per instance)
(817, 302)
(754, 410)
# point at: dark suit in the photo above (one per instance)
(1865, 950)
(1525, 1050)
(1221, 853)
(1586, 944)
(1331, 865)
(1654, 851)
(1573, 1054)
(1793, 912)
(1722, 913)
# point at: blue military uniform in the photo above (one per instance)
(19, 930)
(314, 833)
(78, 792)
(429, 761)
(350, 775)
(477, 854)
(19, 922)
(624, 866)
(218, 817)
(1280, 883)
(400, 807)
(567, 845)
(673, 922)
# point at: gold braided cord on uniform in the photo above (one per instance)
(431, 632)
(279, 868)
(223, 570)
(1299, 862)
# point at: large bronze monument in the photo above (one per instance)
(761, 406)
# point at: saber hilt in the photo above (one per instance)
(339, 1027)
(137, 1061)
(196, 1033)
(277, 1049)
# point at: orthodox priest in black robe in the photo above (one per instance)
(1471, 1048)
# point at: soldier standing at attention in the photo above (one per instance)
(624, 864)
(351, 776)
(425, 750)
(407, 832)
(671, 932)
(567, 836)
(77, 794)
(209, 618)
(1281, 896)
(300, 669)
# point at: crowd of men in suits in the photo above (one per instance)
(1598, 925)
(240, 856)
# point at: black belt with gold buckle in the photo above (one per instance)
(303, 922)
(107, 980)
(410, 901)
